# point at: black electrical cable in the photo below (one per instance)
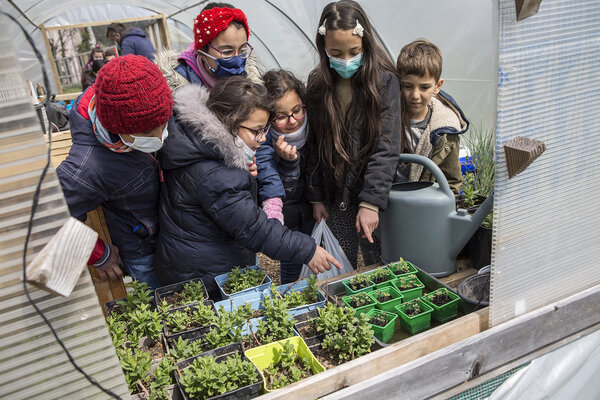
(36, 196)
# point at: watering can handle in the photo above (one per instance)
(432, 167)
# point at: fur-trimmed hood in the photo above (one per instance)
(196, 134)
(167, 61)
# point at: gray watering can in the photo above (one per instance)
(421, 223)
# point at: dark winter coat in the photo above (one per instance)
(296, 209)
(440, 142)
(126, 185)
(209, 218)
(134, 41)
(372, 186)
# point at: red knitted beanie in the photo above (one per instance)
(132, 95)
(209, 23)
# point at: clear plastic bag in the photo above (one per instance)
(323, 236)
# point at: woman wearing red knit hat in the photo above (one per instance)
(117, 125)
(220, 50)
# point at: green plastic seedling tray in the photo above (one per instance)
(389, 305)
(388, 282)
(417, 323)
(409, 294)
(350, 291)
(446, 311)
(359, 310)
(263, 356)
(413, 269)
(386, 332)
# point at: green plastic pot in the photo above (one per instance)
(389, 305)
(350, 291)
(446, 311)
(386, 332)
(359, 310)
(409, 294)
(263, 356)
(417, 323)
(413, 269)
(388, 282)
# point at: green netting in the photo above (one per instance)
(485, 389)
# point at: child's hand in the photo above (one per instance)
(368, 220)
(285, 150)
(319, 212)
(252, 168)
(320, 261)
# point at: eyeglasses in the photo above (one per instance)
(228, 54)
(258, 133)
(282, 121)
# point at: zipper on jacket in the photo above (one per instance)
(161, 175)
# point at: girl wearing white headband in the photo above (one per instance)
(353, 101)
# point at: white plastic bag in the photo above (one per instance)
(323, 236)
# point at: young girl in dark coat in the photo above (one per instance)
(354, 106)
(284, 152)
(209, 218)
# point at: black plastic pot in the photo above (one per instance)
(480, 248)
(185, 334)
(221, 354)
(475, 292)
(168, 290)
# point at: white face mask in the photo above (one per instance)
(147, 144)
(247, 150)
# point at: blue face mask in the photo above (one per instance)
(225, 68)
(346, 68)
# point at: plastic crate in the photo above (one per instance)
(221, 279)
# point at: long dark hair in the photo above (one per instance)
(329, 124)
(233, 99)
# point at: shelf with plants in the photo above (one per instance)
(182, 294)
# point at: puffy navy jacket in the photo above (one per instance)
(208, 214)
(126, 185)
(134, 41)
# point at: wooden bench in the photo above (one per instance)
(108, 290)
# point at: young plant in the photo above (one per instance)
(407, 282)
(412, 308)
(480, 143)
(332, 318)
(238, 279)
(383, 296)
(381, 319)
(439, 297)
(359, 281)
(144, 322)
(203, 315)
(136, 366)
(162, 377)
(379, 276)
(192, 292)
(352, 341)
(118, 330)
(227, 327)
(183, 348)
(205, 377)
(359, 300)
(178, 321)
(290, 368)
(400, 267)
(276, 326)
(138, 293)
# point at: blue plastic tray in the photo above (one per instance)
(299, 287)
(255, 301)
(221, 279)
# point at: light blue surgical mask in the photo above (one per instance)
(346, 68)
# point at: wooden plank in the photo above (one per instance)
(382, 361)
(51, 59)
(64, 96)
(154, 36)
(106, 22)
(455, 279)
(499, 345)
(165, 38)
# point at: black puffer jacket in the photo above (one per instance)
(208, 214)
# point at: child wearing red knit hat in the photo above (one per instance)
(117, 125)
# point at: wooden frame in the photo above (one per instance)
(160, 21)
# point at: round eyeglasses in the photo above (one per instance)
(259, 133)
(228, 54)
(281, 121)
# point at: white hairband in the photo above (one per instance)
(358, 29)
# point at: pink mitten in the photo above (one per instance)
(273, 208)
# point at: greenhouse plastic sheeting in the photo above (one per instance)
(546, 219)
(283, 34)
(570, 372)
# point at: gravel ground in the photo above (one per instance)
(272, 266)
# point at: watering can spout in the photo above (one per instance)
(463, 226)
